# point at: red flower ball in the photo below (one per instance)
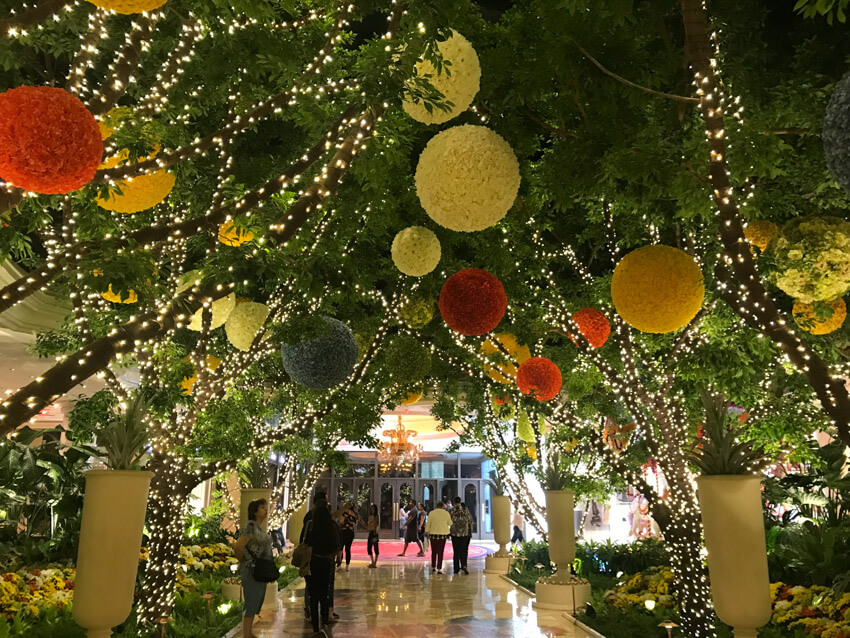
(540, 377)
(49, 142)
(473, 302)
(593, 326)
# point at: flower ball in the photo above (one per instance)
(519, 353)
(416, 251)
(49, 142)
(836, 133)
(221, 309)
(244, 322)
(467, 178)
(407, 360)
(759, 233)
(139, 193)
(539, 377)
(127, 7)
(416, 313)
(412, 398)
(458, 82)
(230, 235)
(807, 317)
(472, 302)
(657, 289)
(324, 361)
(593, 326)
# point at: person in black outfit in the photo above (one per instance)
(323, 538)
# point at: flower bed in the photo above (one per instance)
(30, 592)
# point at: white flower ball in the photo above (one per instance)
(416, 251)
(459, 86)
(221, 309)
(244, 322)
(467, 178)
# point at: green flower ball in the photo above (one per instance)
(407, 360)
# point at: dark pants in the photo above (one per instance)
(319, 584)
(372, 543)
(347, 537)
(460, 548)
(517, 536)
(438, 546)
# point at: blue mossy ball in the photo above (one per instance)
(324, 361)
(836, 133)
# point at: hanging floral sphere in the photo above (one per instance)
(836, 133)
(806, 316)
(458, 83)
(324, 361)
(519, 353)
(230, 235)
(593, 326)
(189, 382)
(759, 233)
(539, 377)
(243, 323)
(811, 258)
(615, 436)
(407, 360)
(416, 313)
(412, 398)
(657, 289)
(49, 142)
(127, 7)
(221, 309)
(416, 251)
(467, 178)
(140, 193)
(524, 431)
(472, 302)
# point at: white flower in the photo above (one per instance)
(459, 85)
(244, 322)
(416, 251)
(467, 178)
(221, 309)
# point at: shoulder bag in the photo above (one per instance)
(265, 570)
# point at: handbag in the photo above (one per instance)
(302, 554)
(265, 570)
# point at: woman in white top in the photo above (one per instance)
(438, 527)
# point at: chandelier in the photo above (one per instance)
(400, 452)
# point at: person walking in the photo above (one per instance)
(411, 530)
(461, 535)
(518, 522)
(252, 544)
(348, 519)
(323, 539)
(402, 522)
(372, 526)
(422, 514)
(438, 528)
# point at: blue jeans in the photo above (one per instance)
(254, 592)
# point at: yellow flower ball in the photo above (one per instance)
(505, 372)
(459, 85)
(759, 233)
(143, 192)
(657, 289)
(188, 382)
(412, 397)
(416, 251)
(807, 319)
(127, 7)
(230, 235)
(243, 323)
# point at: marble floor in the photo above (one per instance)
(404, 600)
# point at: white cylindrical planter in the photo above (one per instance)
(270, 600)
(108, 553)
(231, 591)
(500, 562)
(737, 556)
(246, 495)
(296, 523)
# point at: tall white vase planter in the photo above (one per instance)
(246, 495)
(737, 555)
(562, 591)
(108, 554)
(500, 562)
(296, 524)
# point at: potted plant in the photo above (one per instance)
(231, 588)
(112, 522)
(730, 501)
(500, 561)
(562, 590)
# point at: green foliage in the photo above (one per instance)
(254, 471)
(721, 452)
(407, 360)
(629, 558)
(832, 9)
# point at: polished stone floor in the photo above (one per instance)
(404, 600)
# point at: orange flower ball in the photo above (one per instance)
(593, 325)
(539, 377)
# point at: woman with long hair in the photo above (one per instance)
(372, 526)
(253, 543)
(323, 538)
(348, 519)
